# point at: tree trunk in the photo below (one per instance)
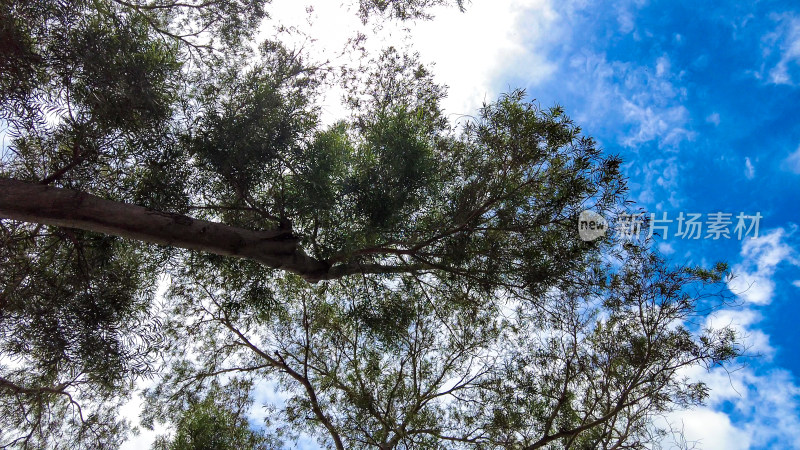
(33, 202)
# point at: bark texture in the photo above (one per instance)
(37, 203)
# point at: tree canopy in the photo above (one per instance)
(403, 282)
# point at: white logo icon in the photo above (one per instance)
(591, 225)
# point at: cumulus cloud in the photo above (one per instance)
(752, 406)
(763, 410)
(756, 405)
(753, 277)
(708, 429)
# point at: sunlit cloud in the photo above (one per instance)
(753, 277)
(765, 408)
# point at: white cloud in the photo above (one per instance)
(266, 393)
(642, 99)
(763, 410)
(713, 118)
(753, 276)
(662, 66)
(796, 283)
(626, 14)
(755, 341)
(470, 49)
(786, 39)
(473, 50)
(666, 248)
(749, 169)
(5, 140)
(662, 124)
(753, 406)
(659, 172)
(793, 161)
(757, 405)
(626, 21)
(711, 430)
(143, 438)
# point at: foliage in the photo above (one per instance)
(455, 305)
(72, 333)
(423, 362)
(217, 422)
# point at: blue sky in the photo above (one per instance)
(704, 107)
(701, 99)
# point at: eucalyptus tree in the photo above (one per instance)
(217, 421)
(403, 282)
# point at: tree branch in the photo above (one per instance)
(277, 249)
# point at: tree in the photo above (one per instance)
(405, 282)
(216, 422)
